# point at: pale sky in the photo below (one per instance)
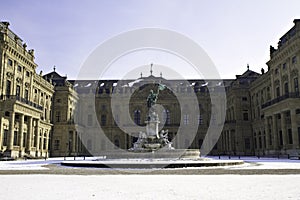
(233, 33)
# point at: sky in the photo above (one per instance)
(233, 33)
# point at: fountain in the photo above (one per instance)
(152, 139)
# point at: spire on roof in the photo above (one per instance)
(54, 68)
(151, 68)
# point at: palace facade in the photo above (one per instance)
(49, 115)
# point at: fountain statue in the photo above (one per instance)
(152, 139)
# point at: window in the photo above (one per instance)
(298, 111)
(103, 107)
(58, 100)
(290, 136)
(57, 116)
(284, 66)
(5, 137)
(294, 59)
(103, 120)
(27, 73)
(298, 135)
(280, 138)
(166, 116)
(90, 120)
(26, 96)
(10, 62)
(270, 138)
(8, 87)
(185, 119)
(19, 68)
(18, 91)
(244, 99)
(276, 71)
(245, 116)
(286, 88)
(277, 91)
(296, 85)
(200, 119)
(137, 117)
(15, 143)
(56, 144)
(247, 143)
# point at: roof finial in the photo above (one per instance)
(247, 66)
(160, 74)
(151, 69)
(141, 75)
(54, 68)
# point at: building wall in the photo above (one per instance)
(25, 100)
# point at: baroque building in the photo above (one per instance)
(25, 101)
(49, 115)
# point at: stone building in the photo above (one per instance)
(25, 101)
(50, 115)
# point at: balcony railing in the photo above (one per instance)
(281, 98)
(22, 100)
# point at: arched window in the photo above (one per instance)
(137, 117)
(166, 117)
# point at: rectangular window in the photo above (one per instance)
(200, 119)
(10, 62)
(18, 91)
(103, 120)
(245, 116)
(8, 87)
(90, 120)
(5, 138)
(56, 144)
(260, 142)
(247, 143)
(185, 119)
(280, 138)
(27, 73)
(26, 96)
(244, 98)
(15, 138)
(19, 68)
(298, 135)
(286, 88)
(294, 59)
(290, 136)
(296, 85)
(277, 91)
(284, 66)
(270, 138)
(57, 116)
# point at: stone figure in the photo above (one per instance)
(152, 98)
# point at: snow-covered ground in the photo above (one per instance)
(43, 187)
(141, 186)
(250, 163)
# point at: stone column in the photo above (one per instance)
(275, 132)
(47, 143)
(74, 142)
(11, 130)
(37, 135)
(21, 130)
(294, 128)
(283, 129)
(29, 134)
(266, 124)
(1, 133)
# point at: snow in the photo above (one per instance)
(37, 187)
(141, 186)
